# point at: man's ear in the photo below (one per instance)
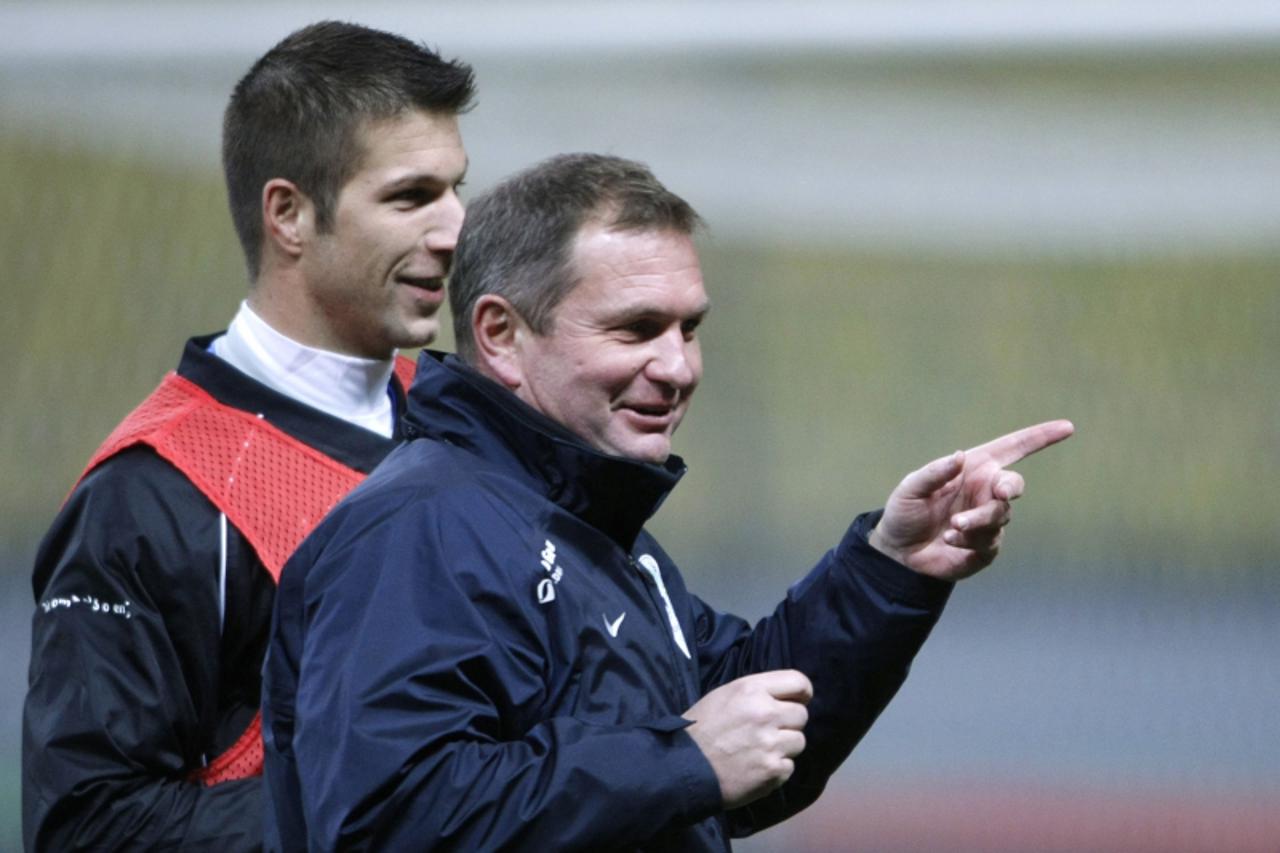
(498, 332)
(288, 216)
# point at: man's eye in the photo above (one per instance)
(410, 198)
(643, 329)
(690, 328)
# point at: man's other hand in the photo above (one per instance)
(947, 519)
(750, 730)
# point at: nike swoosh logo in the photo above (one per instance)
(612, 627)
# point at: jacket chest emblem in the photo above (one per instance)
(612, 626)
(552, 573)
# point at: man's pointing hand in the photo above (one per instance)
(947, 519)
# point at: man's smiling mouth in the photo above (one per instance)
(424, 282)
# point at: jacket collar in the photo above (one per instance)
(354, 447)
(451, 402)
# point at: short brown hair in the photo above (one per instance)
(298, 112)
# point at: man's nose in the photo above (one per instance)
(676, 362)
(442, 235)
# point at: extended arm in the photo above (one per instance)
(852, 625)
(855, 623)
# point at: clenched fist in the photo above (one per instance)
(750, 730)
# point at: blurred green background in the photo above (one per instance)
(924, 232)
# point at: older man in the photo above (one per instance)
(482, 648)
(154, 585)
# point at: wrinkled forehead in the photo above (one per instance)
(657, 268)
(599, 241)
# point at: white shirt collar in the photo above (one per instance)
(351, 388)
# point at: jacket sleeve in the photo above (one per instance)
(111, 724)
(417, 721)
(853, 625)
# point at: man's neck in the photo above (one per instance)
(353, 389)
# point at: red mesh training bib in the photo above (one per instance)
(272, 487)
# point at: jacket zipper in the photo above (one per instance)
(674, 658)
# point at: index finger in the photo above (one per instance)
(1008, 449)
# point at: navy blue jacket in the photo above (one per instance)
(482, 649)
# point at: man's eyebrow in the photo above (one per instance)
(421, 178)
(410, 180)
(649, 309)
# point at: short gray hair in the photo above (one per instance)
(517, 238)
